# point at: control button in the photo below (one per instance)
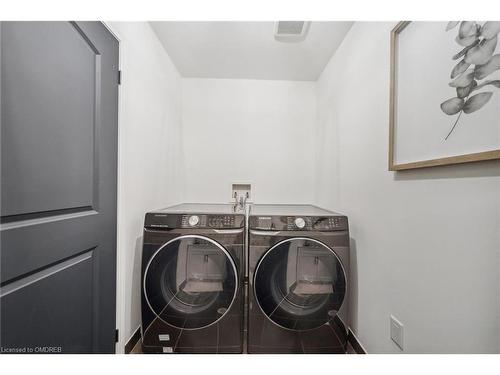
(193, 220)
(300, 223)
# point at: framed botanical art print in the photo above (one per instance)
(445, 93)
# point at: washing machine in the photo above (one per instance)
(298, 280)
(192, 279)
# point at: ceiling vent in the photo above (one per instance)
(291, 31)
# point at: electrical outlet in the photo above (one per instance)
(397, 333)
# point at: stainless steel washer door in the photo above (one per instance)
(190, 282)
(300, 284)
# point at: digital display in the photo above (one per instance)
(264, 222)
(321, 224)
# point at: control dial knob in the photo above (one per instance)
(300, 223)
(193, 220)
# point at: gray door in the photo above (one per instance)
(59, 105)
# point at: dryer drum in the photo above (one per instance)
(190, 281)
(300, 284)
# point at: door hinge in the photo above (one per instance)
(119, 77)
(116, 335)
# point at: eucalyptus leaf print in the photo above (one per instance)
(463, 92)
(466, 41)
(467, 28)
(452, 106)
(490, 29)
(495, 83)
(481, 53)
(476, 102)
(461, 67)
(476, 62)
(463, 80)
(482, 71)
(465, 50)
(452, 25)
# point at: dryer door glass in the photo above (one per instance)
(190, 282)
(300, 284)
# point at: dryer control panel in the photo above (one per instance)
(298, 223)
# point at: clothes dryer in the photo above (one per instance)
(298, 280)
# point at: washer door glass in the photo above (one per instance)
(300, 284)
(190, 282)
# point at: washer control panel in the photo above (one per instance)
(166, 221)
(209, 221)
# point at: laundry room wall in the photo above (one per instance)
(150, 161)
(249, 131)
(425, 243)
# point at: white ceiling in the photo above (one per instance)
(248, 49)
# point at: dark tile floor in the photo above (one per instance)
(138, 350)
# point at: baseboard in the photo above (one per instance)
(355, 343)
(133, 340)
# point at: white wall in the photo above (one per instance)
(256, 131)
(150, 170)
(425, 243)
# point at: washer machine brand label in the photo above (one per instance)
(168, 349)
(164, 337)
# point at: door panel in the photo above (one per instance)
(31, 308)
(59, 103)
(26, 247)
(191, 282)
(49, 97)
(300, 284)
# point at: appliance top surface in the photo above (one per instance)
(289, 210)
(203, 208)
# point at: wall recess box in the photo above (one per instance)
(241, 190)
